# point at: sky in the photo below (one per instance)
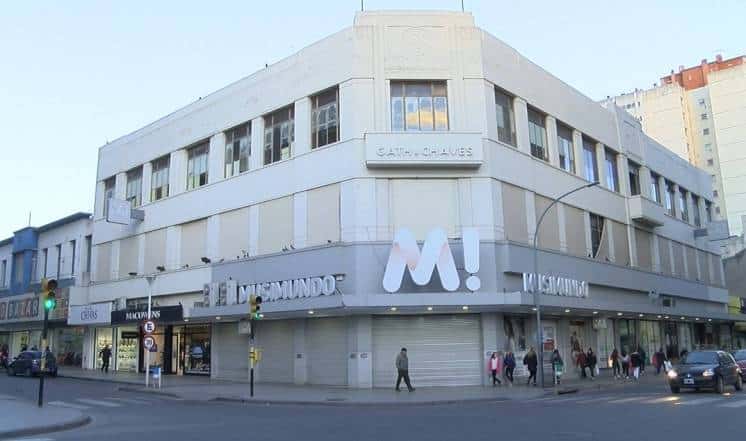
(76, 74)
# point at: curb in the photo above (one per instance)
(73, 424)
(100, 380)
(345, 403)
(148, 391)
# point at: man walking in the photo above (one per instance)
(531, 362)
(105, 355)
(402, 367)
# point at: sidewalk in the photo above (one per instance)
(196, 388)
(23, 418)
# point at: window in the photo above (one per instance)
(505, 117)
(197, 165)
(710, 162)
(237, 149)
(45, 257)
(279, 135)
(683, 205)
(708, 147)
(655, 189)
(705, 131)
(717, 210)
(537, 134)
(634, 178)
(589, 160)
(597, 232)
(612, 174)
(4, 269)
(702, 102)
(714, 193)
(58, 248)
(703, 116)
(325, 118)
(18, 268)
(695, 205)
(134, 187)
(670, 192)
(109, 186)
(566, 152)
(708, 211)
(419, 105)
(159, 179)
(73, 253)
(88, 252)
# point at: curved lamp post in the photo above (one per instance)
(537, 294)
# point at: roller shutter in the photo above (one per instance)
(444, 350)
(275, 338)
(231, 352)
(326, 349)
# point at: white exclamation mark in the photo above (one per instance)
(470, 241)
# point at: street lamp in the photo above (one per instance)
(537, 294)
(150, 279)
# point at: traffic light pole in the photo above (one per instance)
(251, 357)
(43, 360)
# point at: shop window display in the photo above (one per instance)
(515, 338)
(103, 339)
(127, 350)
(67, 346)
(197, 351)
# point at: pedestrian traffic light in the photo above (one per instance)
(254, 306)
(48, 295)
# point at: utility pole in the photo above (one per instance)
(49, 302)
(150, 279)
(255, 302)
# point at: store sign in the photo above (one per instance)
(93, 314)
(436, 253)
(423, 149)
(555, 285)
(165, 313)
(27, 308)
(231, 293)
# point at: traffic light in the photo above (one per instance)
(48, 296)
(254, 306)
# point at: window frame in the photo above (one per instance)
(3, 275)
(656, 194)
(695, 205)
(565, 148)
(326, 127)
(237, 150)
(597, 232)
(198, 165)
(612, 173)
(110, 187)
(436, 101)
(509, 138)
(279, 126)
(133, 187)
(683, 204)
(537, 132)
(17, 274)
(633, 176)
(589, 148)
(670, 196)
(73, 255)
(160, 171)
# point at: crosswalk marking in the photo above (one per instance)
(629, 400)
(98, 402)
(733, 404)
(698, 401)
(669, 399)
(69, 405)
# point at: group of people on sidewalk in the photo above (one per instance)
(504, 365)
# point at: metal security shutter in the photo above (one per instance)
(326, 351)
(275, 338)
(231, 352)
(443, 350)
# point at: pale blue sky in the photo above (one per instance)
(75, 74)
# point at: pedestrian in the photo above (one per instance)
(582, 362)
(24, 347)
(105, 355)
(643, 359)
(659, 358)
(615, 367)
(558, 366)
(494, 366)
(592, 361)
(509, 363)
(531, 362)
(635, 362)
(625, 364)
(402, 367)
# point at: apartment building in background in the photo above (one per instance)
(699, 113)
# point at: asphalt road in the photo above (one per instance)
(632, 414)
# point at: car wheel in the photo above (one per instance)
(720, 386)
(739, 384)
(11, 371)
(675, 389)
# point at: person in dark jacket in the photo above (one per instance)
(402, 367)
(582, 362)
(509, 365)
(558, 366)
(105, 355)
(635, 361)
(643, 358)
(659, 358)
(625, 363)
(591, 360)
(531, 362)
(615, 365)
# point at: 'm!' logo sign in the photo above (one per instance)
(405, 254)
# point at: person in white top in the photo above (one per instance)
(494, 365)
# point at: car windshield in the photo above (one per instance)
(701, 358)
(740, 355)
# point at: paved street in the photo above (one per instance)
(633, 413)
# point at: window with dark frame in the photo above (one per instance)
(683, 205)
(655, 188)
(73, 254)
(590, 161)
(670, 196)
(597, 233)
(279, 134)
(109, 187)
(695, 205)
(537, 134)
(237, 149)
(134, 187)
(708, 211)
(634, 178)
(159, 178)
(197, 166)
(88, 253)
(325, 118)
(505, 117)
(565, 147)
(612, 174)
(59, 260)
(419, 106)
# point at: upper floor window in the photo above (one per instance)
(237, 149)
(58, 249)
(279, 134)
(505, 117)
(73, 256)
(670, 192)
(695, 206)
(134, 187)
(634, 178)
(708, 147)
(612, 174)
(703, 116)
(655, 188)
(159, 178)
(325, 118)
(705, 131)
(565, 147)
(702, 102)
(710, 162)
(88, 253)
(597, 233)
(708, 210)
(419, 105)
(683, 205)
(109, 186)
(3, 274)
(45, 261)
(590, 162)
(537, 134)
(197, 165)
(18, 268)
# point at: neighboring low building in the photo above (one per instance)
(59, 250)
(406, 127)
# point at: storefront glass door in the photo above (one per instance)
(196, 350)
(104, 338)
(127, 347)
